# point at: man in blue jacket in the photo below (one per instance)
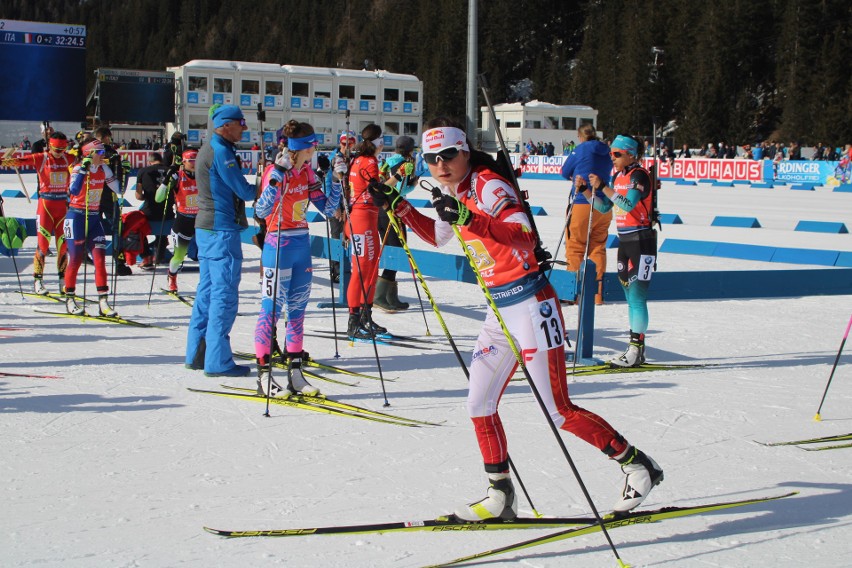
(222, 195)
(590, 156)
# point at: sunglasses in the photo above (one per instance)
(446, 155)
(616, 154)
(57, 148)
(98, 152)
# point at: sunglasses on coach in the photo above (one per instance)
(616, 154)
(445, 155)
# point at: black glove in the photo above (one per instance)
(382, 194)
(451, 210)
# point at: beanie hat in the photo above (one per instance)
(627, 144)
(405, 144)
(225, 114)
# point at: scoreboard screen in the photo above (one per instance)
(129, 95)
(44, 71)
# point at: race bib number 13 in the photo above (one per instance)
(547, 324)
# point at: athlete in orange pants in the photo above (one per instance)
(590, 156)
(575, 241)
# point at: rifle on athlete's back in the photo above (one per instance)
(542, 256)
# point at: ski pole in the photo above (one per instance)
(331, 287)
(581, 297)
(331, 280)
(833, 368)
(599, 520)
(86, 245)
(562, 235)
(419, 298)
(5, 230)
(117, 225)
(365, 305)
(157, 247)
(272, 329)
(415, 269)
(11, 252)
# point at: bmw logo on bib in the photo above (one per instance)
(545, 309)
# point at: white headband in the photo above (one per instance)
(437, 139)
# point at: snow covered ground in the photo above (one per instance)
(117, 464)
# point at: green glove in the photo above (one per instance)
(162, 193)
(13, 233)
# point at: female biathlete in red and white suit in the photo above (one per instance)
(52, 168)
(498, 236)
(83, 228)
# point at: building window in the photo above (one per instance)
(412, 96)
(409, 128)
(197, 83)
(198, 122)
(587, 121)
(274, 88)
(250, 87)
(550, 122)
(346, 91)
(528, 123)
(391, 128)
(569, 123)
(392, 95)
(221, 85)
(300, 89)
(323, 94)
(513, 124)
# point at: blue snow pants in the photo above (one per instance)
(220, 258)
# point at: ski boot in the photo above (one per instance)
(172, 279)
(500, 501)
(104, 308)
(71, 305)
(354, 329)
(264, 382)
(38, 287)
(368, 323)
(297, 384)
(635, 353)
(642, 474)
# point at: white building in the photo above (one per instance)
(535, 121)
(318, 95)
